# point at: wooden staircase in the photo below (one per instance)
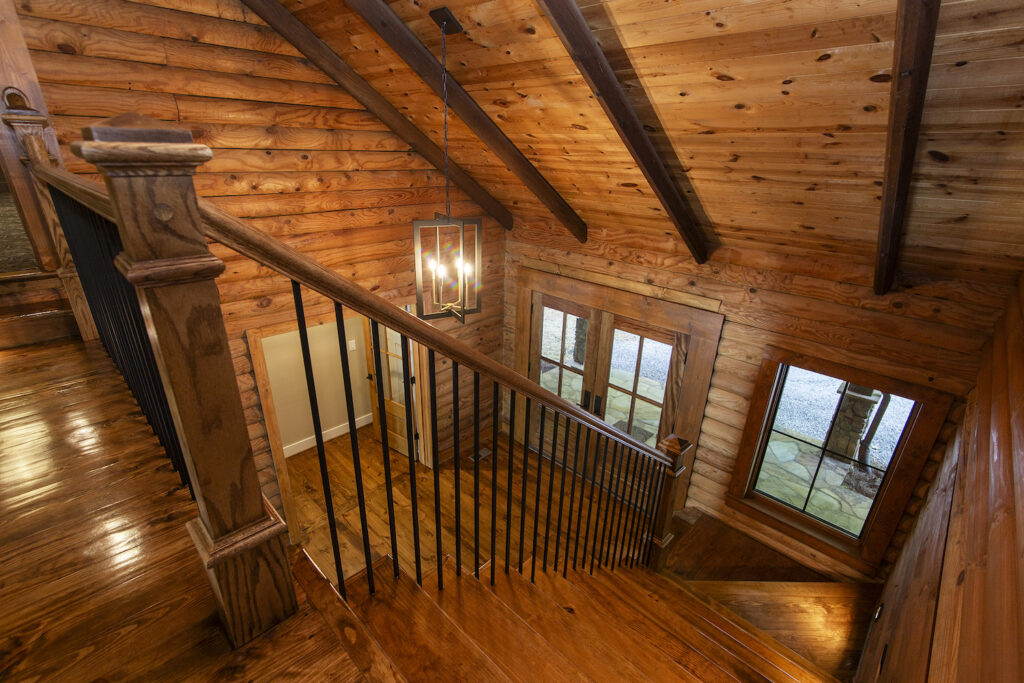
(33, 310)
(631, 624)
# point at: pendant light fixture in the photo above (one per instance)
(447, 250)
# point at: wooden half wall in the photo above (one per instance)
(952, 609)
(292, 152)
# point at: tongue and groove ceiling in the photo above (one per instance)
(772, 115)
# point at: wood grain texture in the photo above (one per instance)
(100, 578)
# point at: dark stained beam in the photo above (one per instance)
(572, 28)
(912, 59)
(328, 61)
(413, 52)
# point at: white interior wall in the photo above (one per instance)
(283, 355)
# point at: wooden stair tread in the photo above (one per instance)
(365, 652)
(673, 603)
(577, 640)
(626, 629)
(417, 635)
(694, 649)
(511, 643)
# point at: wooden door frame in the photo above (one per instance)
(254, 338)
(702, 328)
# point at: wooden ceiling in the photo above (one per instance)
(771, 115)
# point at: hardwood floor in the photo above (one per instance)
(314, 534)
(98, 577)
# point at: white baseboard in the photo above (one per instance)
(329, 433)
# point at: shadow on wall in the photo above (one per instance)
(287, 376)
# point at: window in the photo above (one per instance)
(637, 376)
(563, 348)
(833, 452)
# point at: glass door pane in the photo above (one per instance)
(563, 347)
(638, 369)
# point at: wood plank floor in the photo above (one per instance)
(314, 534)
(98, 577)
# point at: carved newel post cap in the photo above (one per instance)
(130, 144)
(676, 447)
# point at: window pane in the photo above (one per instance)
(549, 376)
(575, 341)
(616, 412)
(843, 493)
(787, 469)
(654, 370)
(646, 419)
(393, 341)
(572, 386)
(551, 334)
(807, 405)
(397, 379)
(386, 385)
(890, 429)
(625, 346)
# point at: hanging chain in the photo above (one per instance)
(444, 97)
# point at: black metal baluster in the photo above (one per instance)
(437, 467)
(494, 473)
(410, 443)
(346, 379)
(638, 489)
(599, 483)
(579, 512)
(522, 496)
(536, 501)
(551, 489)
(629, 498)
(476, 475)
(641, 507)
(659, 489)
(314, 408)
(618, 500)
(456, 457)
(385, 446)
(561, 490)
(609, 504)
(508, 483)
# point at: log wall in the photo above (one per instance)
(952, 609)
(293, 152)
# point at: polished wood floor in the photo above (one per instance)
(98, 577)
(314, 534)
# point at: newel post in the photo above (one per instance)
(147, 168)
(677, 480)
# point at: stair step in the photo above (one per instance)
(674, 605)
(690, 647)
(35, 325)
(509, 641)
(623, 630)
(365, 652)
(826, 622)
(566, 629)
(423, 643)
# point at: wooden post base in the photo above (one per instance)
(660, 548)
(250, 575)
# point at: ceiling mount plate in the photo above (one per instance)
(444, 18)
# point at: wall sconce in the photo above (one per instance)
(448, 266)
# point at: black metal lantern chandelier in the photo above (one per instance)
(447, 249)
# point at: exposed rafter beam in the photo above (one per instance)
(572, 28)
(916, 21)
(322, 56)
(404, 42)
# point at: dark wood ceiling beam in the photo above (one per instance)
(916, 21)
(328, 61)
(413, 52)
(572, 28)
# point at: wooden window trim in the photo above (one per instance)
(923, 425)
(702, 330)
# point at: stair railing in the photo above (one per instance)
(621, 492)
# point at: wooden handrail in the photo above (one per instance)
(293, 264)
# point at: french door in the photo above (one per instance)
(393, 383)
(618, 368)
